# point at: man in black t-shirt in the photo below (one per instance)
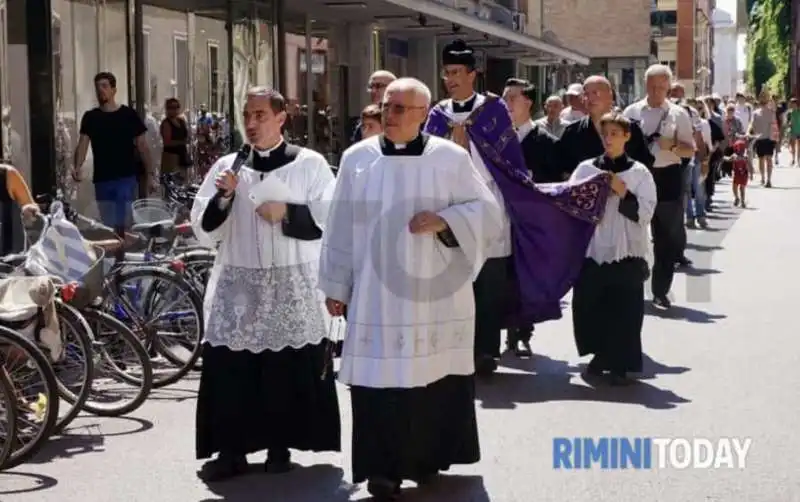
(117, 134)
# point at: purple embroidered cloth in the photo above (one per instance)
(551, 225)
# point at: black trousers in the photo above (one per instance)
(491, 294)
(669, 241)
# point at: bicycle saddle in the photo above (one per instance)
(154, 229)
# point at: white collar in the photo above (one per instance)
(266, 153)
(462, 103)
(524, 129)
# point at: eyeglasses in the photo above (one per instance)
(398, 109)
(376, 86)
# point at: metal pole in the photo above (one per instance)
(138, 61)
(312, 113)
(280, 43)
(41, 96)
(130, 51)
(232, 120)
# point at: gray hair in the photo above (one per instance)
(658, 70)
(382, 74)
(412, 85)
(552, 98)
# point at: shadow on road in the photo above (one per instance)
(681, 313)
(171, 394)
(553, 381)
(651, 369)
(17, 483)
(81, 438)
(326, 483)
(304, 484)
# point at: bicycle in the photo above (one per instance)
(133, 286)
(8, 418)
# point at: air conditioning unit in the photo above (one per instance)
(520, 22)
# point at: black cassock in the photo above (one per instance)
(608, 300)
(402, 433)
(273, 400)
(539, 150)
(581, 141)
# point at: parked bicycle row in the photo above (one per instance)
(94, 325)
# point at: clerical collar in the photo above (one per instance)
(615, 165)
(465, 105)
(278, 156)
(281, 146)
(414, 147)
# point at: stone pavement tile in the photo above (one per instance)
(724, 364)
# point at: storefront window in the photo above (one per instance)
(75, 62)
(309, 89)
(252, 55)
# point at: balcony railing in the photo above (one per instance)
(665, 30)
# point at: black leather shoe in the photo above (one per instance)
(279, 461)
(383, 490)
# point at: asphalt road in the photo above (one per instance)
(723, 363)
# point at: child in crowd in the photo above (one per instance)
(609, 325)
(741, 172)
(371, 124)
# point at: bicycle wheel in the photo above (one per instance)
(36, 393)
(167, 315)
(118, 356)
(198, 264)
(8, 417)
(75, 371)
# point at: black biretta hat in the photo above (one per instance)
(458, 52)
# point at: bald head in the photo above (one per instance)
(377, 84)
(597, 80)
(599, 95)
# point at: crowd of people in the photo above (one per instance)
(446, 224)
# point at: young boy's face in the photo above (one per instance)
(614, 138)
(370, 127)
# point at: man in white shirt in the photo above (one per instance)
(552, 122)
(576, 108)
(669, 131)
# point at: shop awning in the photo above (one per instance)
(451, 15)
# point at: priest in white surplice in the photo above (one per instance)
(408, 230)
(267, 381)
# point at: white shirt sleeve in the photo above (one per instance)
(684, 128)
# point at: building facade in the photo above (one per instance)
(619, 46)
(726, 64)
(682, 32)
(207, 53)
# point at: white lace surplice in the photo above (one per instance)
(410, 319)
(616, 237)
(262, 292)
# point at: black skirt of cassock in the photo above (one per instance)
(401, 434)
(608, 312)
(250, 402)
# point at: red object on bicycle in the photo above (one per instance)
(177, 266)
(184, 228)
(68, 291)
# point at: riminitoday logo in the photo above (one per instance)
(650, 453)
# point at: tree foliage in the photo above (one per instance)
(768, 46)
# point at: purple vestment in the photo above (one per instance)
(551, 225)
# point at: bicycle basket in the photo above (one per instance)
(90, 287)
(152, 211)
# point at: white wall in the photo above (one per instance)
(726, 74)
